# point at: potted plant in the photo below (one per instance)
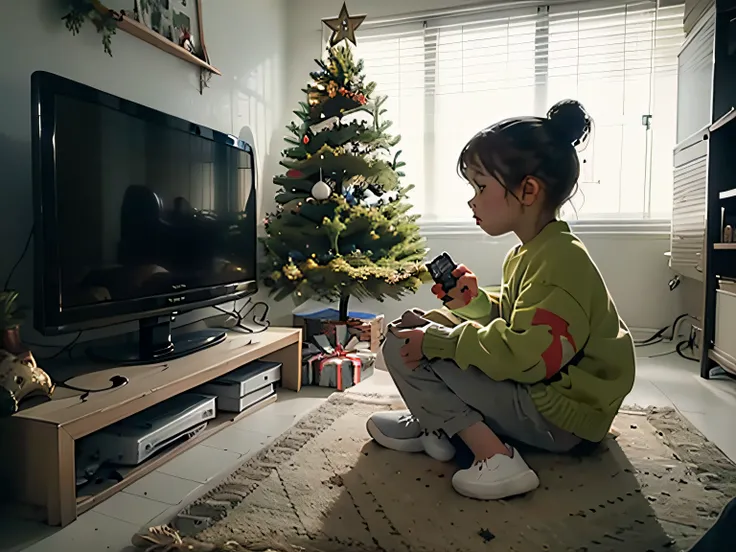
(10, 320)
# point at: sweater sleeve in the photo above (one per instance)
(482, 309)
(547, 328)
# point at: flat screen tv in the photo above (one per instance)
(139, 216)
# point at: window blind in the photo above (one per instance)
(620, 61)
(449, 77)
(395, 59)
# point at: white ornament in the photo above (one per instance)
(321, 191)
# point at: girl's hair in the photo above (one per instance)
(542, 147)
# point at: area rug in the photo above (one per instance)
(656, 486)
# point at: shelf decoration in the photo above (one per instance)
(93, 11)
(20, 376)
(174, 26)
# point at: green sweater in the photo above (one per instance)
(557, 332)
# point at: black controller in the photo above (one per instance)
(441, 269)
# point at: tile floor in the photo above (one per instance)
(662, 381)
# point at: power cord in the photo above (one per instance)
(654, 339)
(261, 321)
(689, 343)
(20, 259)
(115, 381)
(662, 334)
(64, 348)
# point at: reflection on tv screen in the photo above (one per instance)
(146, 210)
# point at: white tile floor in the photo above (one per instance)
(661, 381)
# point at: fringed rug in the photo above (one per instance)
(325, 485)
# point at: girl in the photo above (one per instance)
(548, 362)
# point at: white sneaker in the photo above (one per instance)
(399, 430)
(498, 477)
(396, 430)
(437, 445)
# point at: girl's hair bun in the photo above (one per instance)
(570, 122)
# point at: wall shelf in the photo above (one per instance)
(138, 30)
(129, 25)
(724, 246)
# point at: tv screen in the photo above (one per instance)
(140, 211)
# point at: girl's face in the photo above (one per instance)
(495, 209)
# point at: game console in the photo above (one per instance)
(237, 405)
(244, 386)
(441, 269)
(133, 440)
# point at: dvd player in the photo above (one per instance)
(133, 440)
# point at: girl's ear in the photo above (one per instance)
(531, 189)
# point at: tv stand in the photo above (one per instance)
(156, 343)
(39, 470)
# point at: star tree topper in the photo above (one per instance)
(344, 26)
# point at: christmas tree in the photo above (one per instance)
(342, 226)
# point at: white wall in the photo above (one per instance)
(246, 40)
(634, 267)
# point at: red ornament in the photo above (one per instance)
(293, 173)
(305, 140)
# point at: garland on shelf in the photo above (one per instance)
(94, 11)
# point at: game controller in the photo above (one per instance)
(441, 269)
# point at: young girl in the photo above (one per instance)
(548, 362)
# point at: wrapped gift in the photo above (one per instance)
(337, 359)
(366, 327)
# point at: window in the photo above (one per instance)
(449, 76)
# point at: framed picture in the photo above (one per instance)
(177, 20)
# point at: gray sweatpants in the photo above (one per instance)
(443, 396)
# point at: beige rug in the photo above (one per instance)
(324, 484)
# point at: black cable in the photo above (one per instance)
(115, 382)
(674, 325)
(262, 322)
(656, 338)
(660, 336)
(20, 259)
(687, 344)
(64, 349)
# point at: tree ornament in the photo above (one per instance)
(332, 89)
(344, 26)
(293, 173)
(310, 265)
(321, 191)
(305, 140)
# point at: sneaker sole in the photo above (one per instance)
(518, 485)
(401, 445)
(439, 455)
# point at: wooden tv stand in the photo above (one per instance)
(38, 463)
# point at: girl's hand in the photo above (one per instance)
(411, 352)
(463, 293)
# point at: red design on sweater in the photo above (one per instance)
(559, 329)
